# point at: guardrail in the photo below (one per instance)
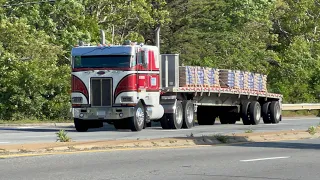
(303, 106)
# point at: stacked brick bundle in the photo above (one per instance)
(211, 77)
(228, 78)
(196, 76)
(187, 76)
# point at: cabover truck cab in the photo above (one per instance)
(131, 85)
(118, 84)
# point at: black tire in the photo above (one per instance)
(173, 120)
(176, 119)
(202, 116)
(275, 112)
(224, 118)
(255, 112)
(138, 120)
(245, 113)
(266, 113)
(80, 125)
(164, 122)
(188, 114)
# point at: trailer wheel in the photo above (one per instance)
(80, 125)
(138, 120)
(255, 112)
(275, 112)
(202, 116)
(245, 113)
(266, 113)
(188, 114)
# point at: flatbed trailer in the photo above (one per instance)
(131, 85)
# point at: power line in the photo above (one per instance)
(28, 3)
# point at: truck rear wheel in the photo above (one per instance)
(188, 114)
(255, 112)
(245, 113)
(266, 113)
(275, 112)
(138, 120)
(80, 125)
(173, 120)
(202, 116)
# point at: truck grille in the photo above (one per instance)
(101, 92)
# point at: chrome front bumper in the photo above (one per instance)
(107, 113)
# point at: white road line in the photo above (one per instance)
(263, 159)
(37, 136)
(26, 127)
(4, 142)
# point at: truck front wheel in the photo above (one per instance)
(80, 125)
(138, 120)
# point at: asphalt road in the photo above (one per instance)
(18, 135)
(291, 160)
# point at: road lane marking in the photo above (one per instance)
(27, 127)
(4, 142)
(263, 159)
(38, 136)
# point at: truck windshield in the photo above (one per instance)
(108, 61)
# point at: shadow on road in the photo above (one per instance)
(289, 145)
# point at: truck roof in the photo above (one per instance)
(107, 50)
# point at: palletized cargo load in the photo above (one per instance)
(196, 76)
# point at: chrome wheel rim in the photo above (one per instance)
(179, 114)
(189, 114)
(258, 115)
(277, 111)
(140, 116)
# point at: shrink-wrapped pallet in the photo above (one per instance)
(227, 78)
(211, 77)
(199, 73)
(186, 76)
(251, 81)
(260, 82)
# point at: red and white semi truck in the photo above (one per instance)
(131, 85)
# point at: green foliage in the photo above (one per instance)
(221, 138)
(276, 37)
(312, 130)
(62, 136)
(249, 131)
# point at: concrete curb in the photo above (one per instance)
(107, 145)
(39, 124)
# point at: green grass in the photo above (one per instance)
(300, 113)
(249, 131)
(62, 136)
(312, 130)
(34, 121)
